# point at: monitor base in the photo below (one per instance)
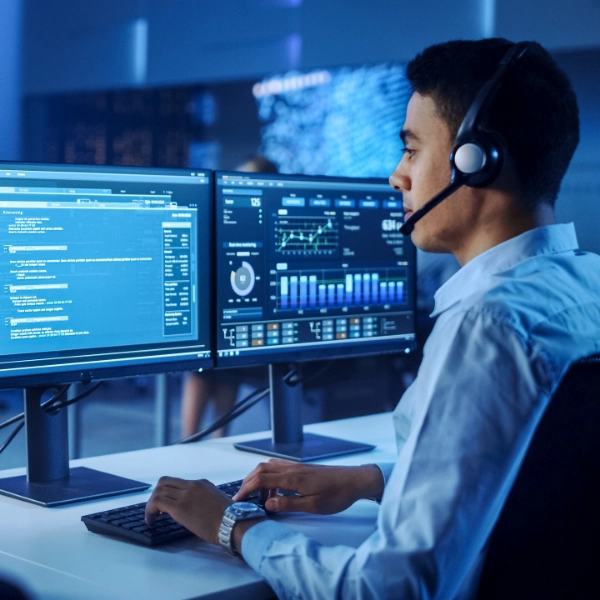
(312, 447)
(82, 484)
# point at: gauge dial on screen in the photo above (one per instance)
(242, 280)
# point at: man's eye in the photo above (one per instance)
(408, 151)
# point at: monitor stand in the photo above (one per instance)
(288, 439)
(49, 481)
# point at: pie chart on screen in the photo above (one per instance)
(242, 280)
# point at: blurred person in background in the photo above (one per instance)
(220, 387)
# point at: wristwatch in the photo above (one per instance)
(238, 511)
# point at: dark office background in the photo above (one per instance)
(315, 85)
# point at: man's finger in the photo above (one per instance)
(176, 482)
(280, 462)
(252, 483)
(266, 481)
(260, 468)
(159, 502)
(284, 470)
(290, 504)
(171, 482)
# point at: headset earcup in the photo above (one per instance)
(478, 159)
(469, 158)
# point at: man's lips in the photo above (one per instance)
(407, 214)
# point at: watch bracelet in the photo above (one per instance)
(226, 533)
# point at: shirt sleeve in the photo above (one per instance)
(480, 393)
(386, 470)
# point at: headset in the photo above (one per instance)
(477, 156)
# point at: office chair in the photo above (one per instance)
(546, 543)
(10, 590)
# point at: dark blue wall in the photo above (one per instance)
(10, 81)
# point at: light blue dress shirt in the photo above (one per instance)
(510, 323)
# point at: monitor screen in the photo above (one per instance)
(309, 268)
(104, 272)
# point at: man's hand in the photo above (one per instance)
(323, 489)
(197, 505)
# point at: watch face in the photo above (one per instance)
(245, 508)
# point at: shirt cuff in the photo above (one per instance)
(256, 541)
(386, 470)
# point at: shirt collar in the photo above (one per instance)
(478, 272)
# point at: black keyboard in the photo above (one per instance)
(128, 522)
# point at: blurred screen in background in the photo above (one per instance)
(342, 121)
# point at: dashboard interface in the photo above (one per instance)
(103, 269)
(310, 267)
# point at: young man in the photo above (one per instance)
(524, 305)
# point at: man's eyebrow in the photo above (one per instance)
(407, 134)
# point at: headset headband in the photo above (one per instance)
(488, 92)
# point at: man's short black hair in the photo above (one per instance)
(535, 109)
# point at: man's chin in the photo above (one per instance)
(425, 243)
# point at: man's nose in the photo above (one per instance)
(399, 180)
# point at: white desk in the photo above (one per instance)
(51, 550)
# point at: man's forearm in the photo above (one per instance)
(371, 482)
(368, 483)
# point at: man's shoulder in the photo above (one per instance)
(559, 289)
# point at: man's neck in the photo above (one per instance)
(496, 230)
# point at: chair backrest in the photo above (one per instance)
(546, 543)
(10, 590)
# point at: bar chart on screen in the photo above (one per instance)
(343, 289)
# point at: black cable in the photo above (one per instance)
(293, 378)
(239, 410)
(12, 436)
(318, 373)
(77, 398)
(12, 420)
(221, 423)
(57, 396)
(48, 406)
(241, 407)
(20, 416)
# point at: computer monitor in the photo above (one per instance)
(105, 273)
(308, 268)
